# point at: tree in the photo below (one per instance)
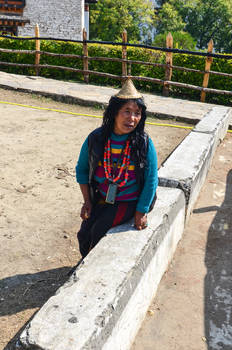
(169, 19)
(203, 19)
(108, 19)
(181, 40)
(211, 19)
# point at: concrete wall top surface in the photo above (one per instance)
(83, 313)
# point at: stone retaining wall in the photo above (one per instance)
(59, 19)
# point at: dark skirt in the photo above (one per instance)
(103, 217)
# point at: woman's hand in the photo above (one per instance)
(86, 210)
(140, 220)
(87, 206)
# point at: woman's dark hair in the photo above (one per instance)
(115, 104)
(137, 135)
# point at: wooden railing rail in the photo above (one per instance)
(126, 65)
(114, 59)
(108, 75)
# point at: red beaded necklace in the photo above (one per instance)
(125, 163)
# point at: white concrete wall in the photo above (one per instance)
(60, 19)
(104, 302)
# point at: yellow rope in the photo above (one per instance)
(93, 116)
(50, 109)
(171, 125)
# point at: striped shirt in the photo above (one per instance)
(130, 190)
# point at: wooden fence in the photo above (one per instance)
(126, 65)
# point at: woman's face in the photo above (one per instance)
(127, 118)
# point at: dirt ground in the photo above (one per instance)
(40, 200)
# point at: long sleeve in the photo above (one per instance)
(151, 180)
(82, 167)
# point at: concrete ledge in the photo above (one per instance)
(186, 168)
(104, 302)
(215, 122)
(92, 95)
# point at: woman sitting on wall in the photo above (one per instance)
(117, 169)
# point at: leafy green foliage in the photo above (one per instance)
(215, 81)
(95, 50)
(203, 19)
(169, 19)
(181, 40)
(108, 19)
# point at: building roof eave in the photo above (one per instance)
(89, 2)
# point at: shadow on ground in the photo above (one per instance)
(21, 292)
(218, 281)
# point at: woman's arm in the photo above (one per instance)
(149, 189)
(82, 167)
(82, 177)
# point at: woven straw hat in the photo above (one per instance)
(128, 91)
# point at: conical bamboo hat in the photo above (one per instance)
(128, 91)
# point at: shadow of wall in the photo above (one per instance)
(218, 281)
(29, 291)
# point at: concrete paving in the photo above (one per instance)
(163, 107)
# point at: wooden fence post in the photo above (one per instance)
(37, 48)
(85, 58)
(168, 69)
(124, 55)
(208, 63)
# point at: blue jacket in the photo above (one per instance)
(146, 169)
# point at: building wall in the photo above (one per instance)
(56, 18)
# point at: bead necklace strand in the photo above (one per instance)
(125, 163)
